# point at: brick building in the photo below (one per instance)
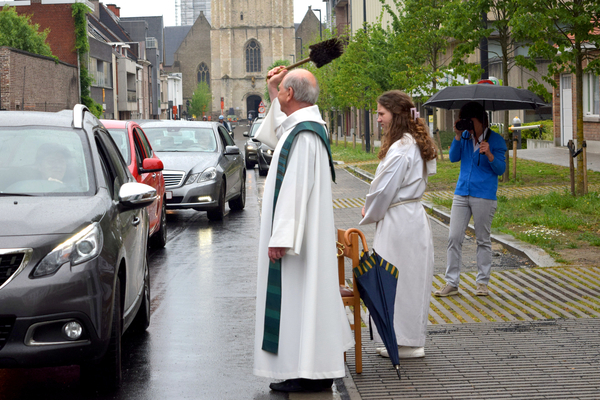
(125, 81)
(565, 112)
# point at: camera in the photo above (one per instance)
(464, 125)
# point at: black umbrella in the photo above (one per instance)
(377, 280)
(492, 97)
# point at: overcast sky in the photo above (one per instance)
(166, 8)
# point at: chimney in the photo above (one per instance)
(116, 10)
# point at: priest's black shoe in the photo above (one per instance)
(290, 385)
(302, 385)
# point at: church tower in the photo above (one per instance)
(246, 38)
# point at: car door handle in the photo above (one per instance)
(135, 221)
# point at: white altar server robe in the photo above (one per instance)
(314, 330)
(403, 235)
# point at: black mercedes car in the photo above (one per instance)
(257, 153)
(73, 268)
(251, 145)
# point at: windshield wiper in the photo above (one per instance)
(15, 194)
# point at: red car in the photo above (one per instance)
(147, 168)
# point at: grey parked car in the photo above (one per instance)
(203, 167)
(73, 269)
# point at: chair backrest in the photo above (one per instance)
(348, 246)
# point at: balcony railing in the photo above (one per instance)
(131, 96)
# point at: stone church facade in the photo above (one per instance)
(234, 53)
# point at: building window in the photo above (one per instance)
(203, 74)
(101, 72)
(253, 63)
(591, 95)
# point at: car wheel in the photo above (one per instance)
(239, 202)
(106, 375)
(262, 171)
(142, 318)
(218, 213)
(159, 239)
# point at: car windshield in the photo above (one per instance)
(254, 128)
(45, 161)
(122, 140)
(181, 138)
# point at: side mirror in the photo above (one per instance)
(232, 150)
(245, 133)
(133, 195)
(151, 165)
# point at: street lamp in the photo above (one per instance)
(301, 49)
(320, 24)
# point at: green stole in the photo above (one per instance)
(273, 304)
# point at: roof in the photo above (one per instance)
(174, 36)
(62, 119)
(177, 123)
(116, 124)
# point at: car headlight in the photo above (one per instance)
(209, 174)
(191, 179)
(270, 152)
(79, 248)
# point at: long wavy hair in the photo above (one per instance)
(399, 104)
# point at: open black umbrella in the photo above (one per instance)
(377, 280)
(492, 97)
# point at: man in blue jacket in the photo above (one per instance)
(481, 153)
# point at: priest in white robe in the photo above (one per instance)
(403, 236)
(314, 331)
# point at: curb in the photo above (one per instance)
(534, 254)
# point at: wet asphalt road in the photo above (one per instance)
(200, 341)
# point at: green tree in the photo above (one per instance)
(421, 39)
(18, 32)
(82, 46)
(201, 100)
(277, 63)
(467, 27)
(568, 34)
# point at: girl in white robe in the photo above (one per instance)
(403, 235)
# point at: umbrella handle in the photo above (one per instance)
(360, 234)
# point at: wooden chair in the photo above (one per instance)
(347, 246)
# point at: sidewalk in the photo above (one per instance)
(534, 337)
(557, 156)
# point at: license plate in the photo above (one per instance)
(169, 195)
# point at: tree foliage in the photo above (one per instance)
(568, 34)
(201, 100)
(468, 29)
(18, 32)
(82, 46)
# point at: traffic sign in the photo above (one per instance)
(261, 109)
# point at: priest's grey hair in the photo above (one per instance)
(304, 90)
